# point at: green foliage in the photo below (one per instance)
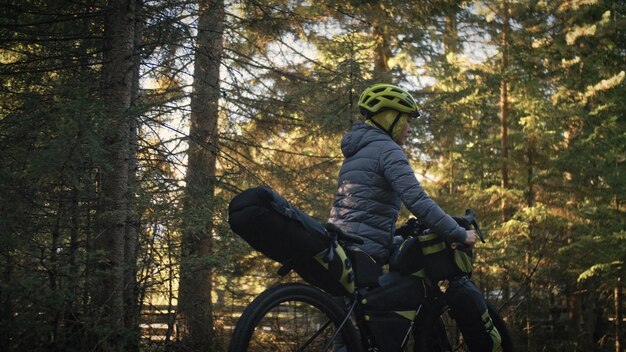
(601, 256)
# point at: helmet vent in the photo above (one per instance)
(379, 90)
(373, 102)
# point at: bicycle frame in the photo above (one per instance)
(365, 333)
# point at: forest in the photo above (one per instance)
(127, 126)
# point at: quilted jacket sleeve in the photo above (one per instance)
(402, 179)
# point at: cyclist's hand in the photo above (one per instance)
(470, 241)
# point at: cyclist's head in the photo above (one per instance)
(389, 108)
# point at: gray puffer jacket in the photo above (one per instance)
(374, 179)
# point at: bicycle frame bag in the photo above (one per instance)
(390, 308)
(284, 233)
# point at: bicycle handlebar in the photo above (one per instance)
(470, 218)
(467, 221)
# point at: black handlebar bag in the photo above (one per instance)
(426, 254)
(442, 262)
(284, 233)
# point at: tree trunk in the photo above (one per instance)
(53, 276)
(591, 309)
(382, 49)
(529, 298)
(74, 271)
(131, 240)
(194, 306)
(108, 294)
(618, 315)
(450, 32)
(530, 202)
(451, 48)
(6, 299)
(504, 112)
(574, 311)
(504, 129)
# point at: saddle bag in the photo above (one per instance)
(366, 269)
(284, 233)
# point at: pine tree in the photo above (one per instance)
(113, 210)
(195, 300)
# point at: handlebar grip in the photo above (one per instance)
(470, 216)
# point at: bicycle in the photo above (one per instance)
(301, 317)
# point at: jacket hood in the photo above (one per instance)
(359, 136)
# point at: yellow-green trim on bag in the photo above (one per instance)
(463, 260)
(494, 334)
(431, 244)
(342, 273)
(440, 261)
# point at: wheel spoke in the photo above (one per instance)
(293, 317)
(315, 335)
(292, 326)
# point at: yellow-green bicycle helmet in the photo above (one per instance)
(383, 96)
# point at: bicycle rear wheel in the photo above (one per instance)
(292, 317)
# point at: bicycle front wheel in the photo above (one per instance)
(455, 338)
(292, 317)
(450, 335)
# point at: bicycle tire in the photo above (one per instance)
(294, 313)
(498, 322)
(442, 336)
(455, 339)
(452, 339)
